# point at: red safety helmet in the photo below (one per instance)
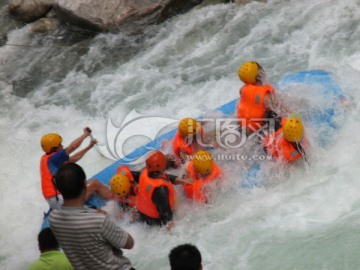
(156, 161)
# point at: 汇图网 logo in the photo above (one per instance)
(145, 133)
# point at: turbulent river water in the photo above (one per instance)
(305, 217)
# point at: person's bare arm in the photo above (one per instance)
(78, 155)
(78, 141)
(129, 245)
(129, 242)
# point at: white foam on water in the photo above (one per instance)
(304, 217)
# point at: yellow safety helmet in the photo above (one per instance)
(188, 126)
(203, 162)
(248, 72)
(50, 141)
(120, 184)
(293, 130)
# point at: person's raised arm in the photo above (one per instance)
(78, 155)
(78, 141)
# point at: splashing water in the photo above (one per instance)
(305, 217)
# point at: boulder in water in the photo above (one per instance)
(110, 15)
(45, 25)
(29, 10)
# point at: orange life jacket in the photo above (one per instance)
(180, 144)
(279, 148)
(197, 190)
(147, 185)
(251, 105)
(47, 185)
(134, 189)
(123, 169)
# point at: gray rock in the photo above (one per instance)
(29, 10)
(45, 25)
(110, 15)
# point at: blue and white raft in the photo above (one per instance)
(320, 100)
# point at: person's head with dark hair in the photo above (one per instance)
(47, 240)
(70, 180)
(185, 257)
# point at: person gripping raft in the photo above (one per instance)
(125, 183)
(287, 143)
(150, 192)
(185, 142)
(55, 156)
(156, 198)
(257, 98)
(204, 171)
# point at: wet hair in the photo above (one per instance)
(170, 162)
(260, 77)
(70, 180)
(47, 240)
(185, 257)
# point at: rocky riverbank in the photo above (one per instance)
(109, 15)
(103, 16)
